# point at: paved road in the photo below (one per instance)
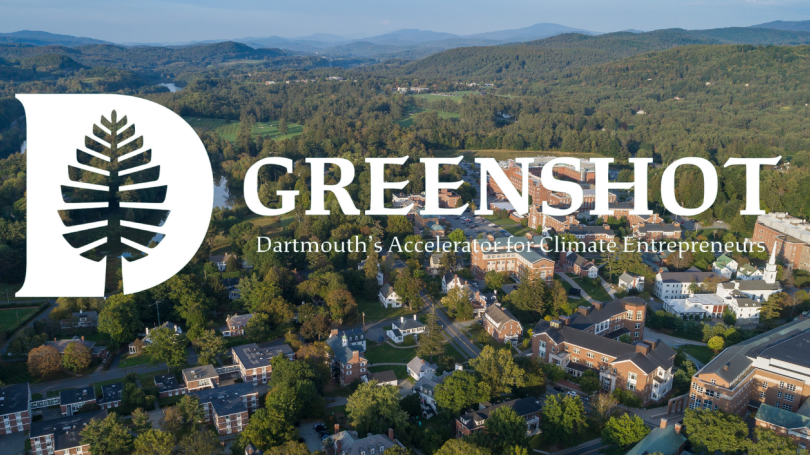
(594, 448)
(467, 347)
(671, 341)
(93, 378)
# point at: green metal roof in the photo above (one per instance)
(664, 440)
(723, 260)
(781, 417)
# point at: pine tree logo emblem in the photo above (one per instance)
(117, 168)
(119, 195)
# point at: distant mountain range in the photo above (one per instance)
(796, 26)
(411, 44)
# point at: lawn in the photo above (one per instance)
(408, 121)
(400, 370)
(500, 221)
(481, 338)
(10, 317)
(597, 292)
(230, 129)
(517, 231)
(375, 311)
(271, 226)
(385, 353)
(133, 361)
(702, 353)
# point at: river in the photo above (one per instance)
(225, 197)
(172, 88)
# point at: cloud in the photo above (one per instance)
(385, 22)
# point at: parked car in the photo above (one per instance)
(558, 389)
(572, 394)
(382, 338)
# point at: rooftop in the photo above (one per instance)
(166, 382)
(65, 430)
(499, 315)
(693, 274)
(77, 395)
(257, 355)
(61, 345)
(383, 376)
(350, 444)
(198, 373)
(111, 392)
(418, 365)
(238, 320)
(610, 309)
(14, 398)
(226, 400)
(660, 440)
(522, 407)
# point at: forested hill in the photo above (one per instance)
(531, 60)
(146, 57)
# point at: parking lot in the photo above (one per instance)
(310, 435)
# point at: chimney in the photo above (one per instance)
(584, 310)
(566, 320)
(356, 355)
(606, 226)
(82, 338)
(391, 434)
(653, 344)
(54, 339)
(678, 428)
(663, 423)
(643, 348)
(333, 332)
(491, 237)
(414, 317)
(423, 360)
(337, 428)
(401, 319)
(459, 367)
(338, 446)
(725, 367)
(529, 235)
(597, 306)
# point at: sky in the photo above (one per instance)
(176, 21)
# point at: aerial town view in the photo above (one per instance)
(353, 297)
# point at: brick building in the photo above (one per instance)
(502, 325)
(644, 368)
(657, 231)
(528, 408)
(62, 436)
(574, 263)
(794, 425)
(73, 399)
(592, 234)
(516, 256)
(448, 199)
(254, 360)
(349, 443)
(235, 325)
(111, 395)
(791, 236)
(228, 408)
(169, 386)
(559, 223)
(16, 410)
(770, 368)
(612, 319)
(348, 362)
(202, 377)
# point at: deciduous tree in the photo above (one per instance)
(498, 369)
(107, 436)
(373, 409)
(768, 442)
(166, 347)
(461, 447)
(716, 430)
(622, 432)
(209, 345)
(154, 442)
(460, 391)
(267, 428)
(44, 361)
(120, 318)
(76, 357)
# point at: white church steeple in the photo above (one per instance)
(770, 270)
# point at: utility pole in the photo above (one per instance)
(157, 305)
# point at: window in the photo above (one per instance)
(778, 394)
(764, 384)
(791, 387)
(589, 355)
(632, 376)
(638, 325)
(639, 315)
(787, 406)
(382, 448)
(630, 314)
(576, 350)
(372, 451)
(604, 359)
(789, 397)
(781, 385)
(631, 387)
(714, 381)
(636, 335)
(762, 394)
(589, 364)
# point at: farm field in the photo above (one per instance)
(9, 317)
(456, 96)
(229, 129)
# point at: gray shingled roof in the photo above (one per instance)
(408, 323)
(111, 392)
(383, 376)
(386, 290)
(611, 309)
(198, 373)
(658, 227)
(418, 365)
(522, 407)
(238, 319)
(500, 315)
(77, 395)
(61, 345)
(342, 353)
(688, 276)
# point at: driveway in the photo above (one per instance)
(313, 441)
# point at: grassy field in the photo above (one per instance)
(10, 317)
(399, 370)
(271, 226)
(133, 361)
(385, 353)
(456, 96)
(229, 130)
(701, 353)
(375, 311)
(17, 372)
(408, 121)
(597, 292)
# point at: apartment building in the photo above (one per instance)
(790, 235)
(612, 319)
(72, 400)
(348, 362)
(202, 377)
(111, 395)
(16, 409)
(514, 173)
(449, 199)
(644, 368)
(502, 325)
(527, 408)
(543, 222)
(768, 369)
(62, 436)
(169, 386)
(518, 257)
(228, 408)
(650, 232)
(235, 325)
(592, 234)
(254, 360)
